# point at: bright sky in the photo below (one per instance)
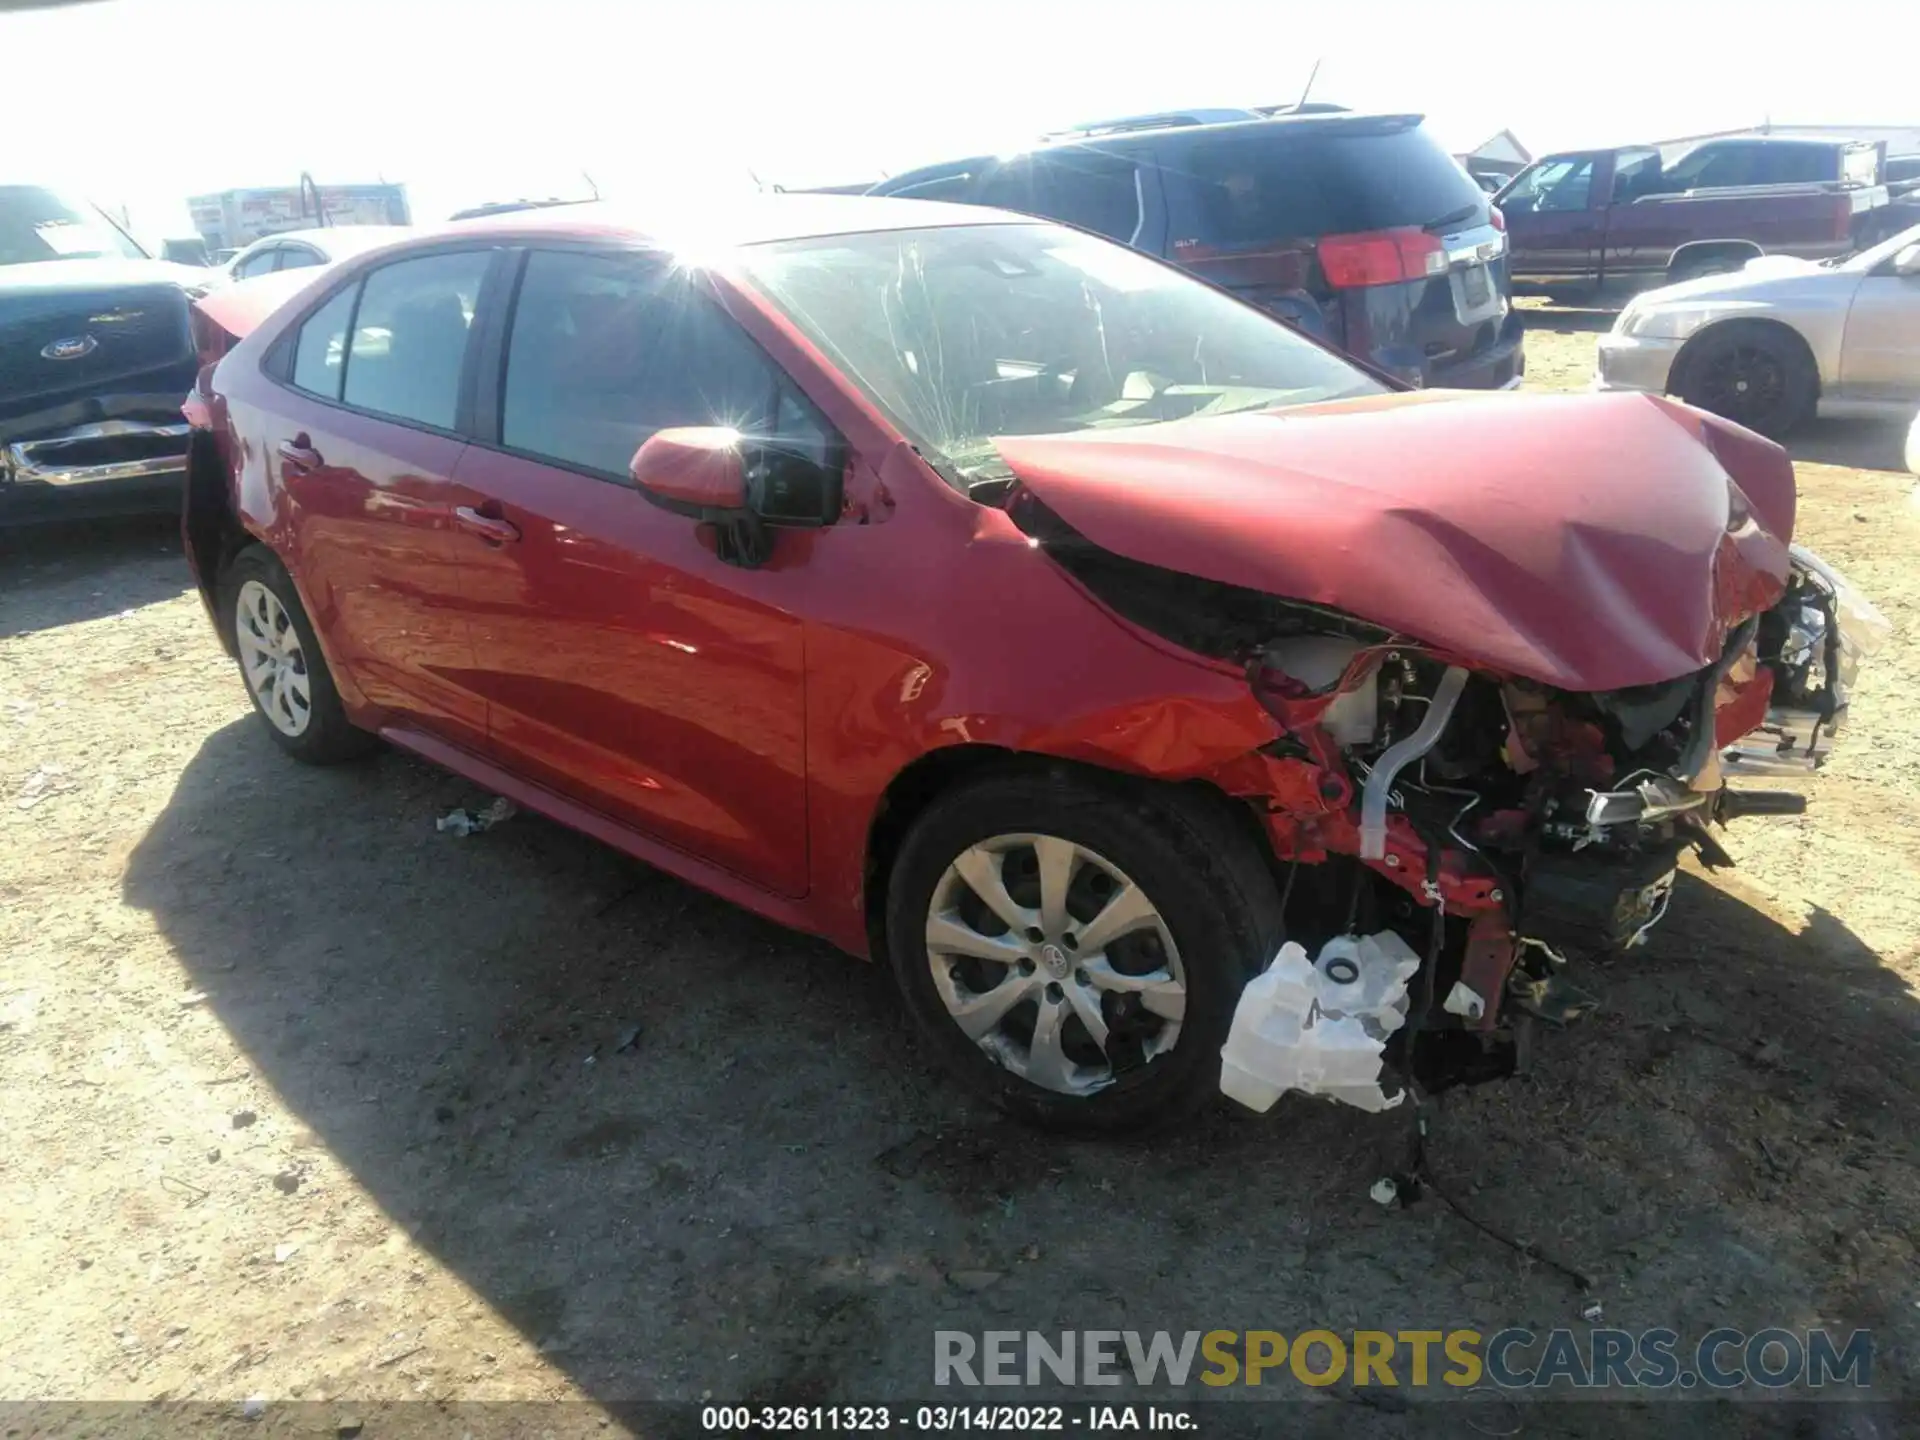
(143, 102)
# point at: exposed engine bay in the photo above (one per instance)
(1498, 828)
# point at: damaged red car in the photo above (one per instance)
(1007, 605)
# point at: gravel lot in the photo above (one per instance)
(303, 1099)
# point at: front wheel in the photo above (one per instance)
(1075, 951)
(1759, 376)
(280, 661)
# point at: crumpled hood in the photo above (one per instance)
(1588, 542)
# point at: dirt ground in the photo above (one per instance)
(302, 1099)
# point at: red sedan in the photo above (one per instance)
(998, 601)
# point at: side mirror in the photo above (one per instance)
(695, 469)
(1907, 261)
(699, 471)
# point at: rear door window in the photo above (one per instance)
(603, 352)
(1747, 162)
(410, 337)
(319, 355)
(1259, 188)
(1087, 188)
(1792, 165)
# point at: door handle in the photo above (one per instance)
(491, 528)
(298, 455)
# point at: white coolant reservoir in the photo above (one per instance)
(1319, 1026)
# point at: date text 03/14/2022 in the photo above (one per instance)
(941, 1419)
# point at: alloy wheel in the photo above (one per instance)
(1054, 962)
(273, 659)
(1746, 381)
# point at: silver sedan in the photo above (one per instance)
(1772, 343)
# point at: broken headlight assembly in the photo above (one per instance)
(1813, 642)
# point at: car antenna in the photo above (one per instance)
(590, 185)
(307, 187)
(1312, 75)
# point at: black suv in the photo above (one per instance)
(1358, 229)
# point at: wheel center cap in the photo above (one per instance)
(1056, 961)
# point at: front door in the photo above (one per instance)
(1878, 355)
(625, 665)
(366, 450)
(1556, 217)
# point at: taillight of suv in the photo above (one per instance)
(1381, 257)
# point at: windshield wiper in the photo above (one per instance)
(1454, 217)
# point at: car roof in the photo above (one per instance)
(344, 237)
(757, 219)
(1303, 126)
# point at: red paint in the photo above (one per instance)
(588, 653)
(697, 466)
(1588, 542)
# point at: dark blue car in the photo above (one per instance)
(1359, 229)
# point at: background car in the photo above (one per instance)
(299, 249)
(1617, 220)
(1358, 229)
(1779, 340)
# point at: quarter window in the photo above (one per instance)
(604, 351)
(410, 337)
(319, 353)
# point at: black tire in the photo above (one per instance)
(1755, 374)
(1197, 864)
(327, 737)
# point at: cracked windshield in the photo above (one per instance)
(969, 333)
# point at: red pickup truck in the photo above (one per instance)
(1622, 220)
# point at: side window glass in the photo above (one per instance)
(1553, 185)
(1791, 165)
(410, 337)
(1635, 174)
(604, 351)
(297, 257)
(1010, 187)
(1095, 192)
(320, 352)
(258, 263)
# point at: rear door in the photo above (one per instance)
(365, 441)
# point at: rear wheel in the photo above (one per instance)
(1758, 376)
(280, 661)
(1073, 951)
